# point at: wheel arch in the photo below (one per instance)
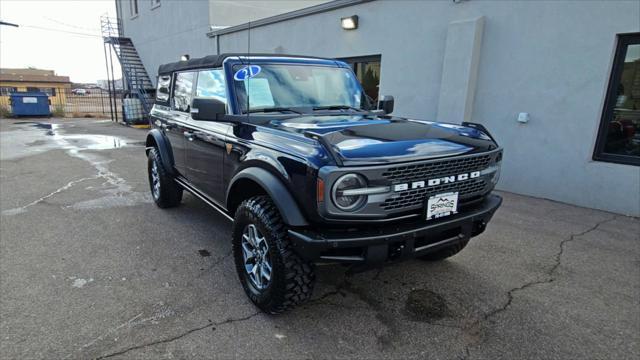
(156, 139)
(258, 181)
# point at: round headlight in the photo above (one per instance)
(344, 201)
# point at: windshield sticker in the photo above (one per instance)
(247, 72)
(259, 93)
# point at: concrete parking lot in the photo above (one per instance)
(90, 268)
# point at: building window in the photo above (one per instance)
(367, 70)
(133, 6)
(7, 90)
(155, 4)
(182, 91)
(49, 91)
(33, 89)
(619, 133)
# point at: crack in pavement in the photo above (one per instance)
(179, 336)
(549, 273)
(23, 208)
(473, 328)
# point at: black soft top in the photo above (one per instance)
(212, 61)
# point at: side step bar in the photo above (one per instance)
(199, 194)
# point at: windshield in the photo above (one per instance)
(262, 88)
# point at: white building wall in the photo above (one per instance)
(551, 59)
(165, 33)
(235, 12)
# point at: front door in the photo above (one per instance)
(175, 127)
(205, 140)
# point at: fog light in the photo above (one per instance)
(349, 23)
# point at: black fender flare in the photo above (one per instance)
(164, 148)
(276, 190)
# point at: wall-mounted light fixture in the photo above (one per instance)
(349, 23)
(185, 57)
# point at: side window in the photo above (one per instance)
(211, 84)
(164, 84)
(182, 91)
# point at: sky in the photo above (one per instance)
(63, 36)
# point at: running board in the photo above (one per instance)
(197, 193)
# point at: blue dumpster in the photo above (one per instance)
(33, 103)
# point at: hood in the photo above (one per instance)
(365, 140)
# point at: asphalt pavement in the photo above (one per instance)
(91, 268)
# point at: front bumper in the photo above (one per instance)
(392, 242)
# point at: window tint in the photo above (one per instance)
(619, 135)
(278, 85)
(164, 84)
(182, 91)
(211, 84)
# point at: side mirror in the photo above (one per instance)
(386, 104)
(208, 109)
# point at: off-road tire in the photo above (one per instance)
(445, 252)
(292, 278)
(170, 193)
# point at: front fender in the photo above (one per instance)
(276, 190)
(156, 138)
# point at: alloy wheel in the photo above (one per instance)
(255, 253)
(155, 180)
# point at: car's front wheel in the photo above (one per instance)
(166, 193)
(273, 276)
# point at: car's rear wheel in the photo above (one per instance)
(273, 276)
(166, 193)
(445, 252)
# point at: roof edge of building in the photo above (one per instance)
(311, 10)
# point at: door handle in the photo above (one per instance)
(188, 135)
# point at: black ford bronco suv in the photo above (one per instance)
(292, 151)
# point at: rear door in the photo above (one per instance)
(206, 139)
(176, 126)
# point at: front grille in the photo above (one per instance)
(409, 198)
(442, 168)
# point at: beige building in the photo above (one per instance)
(20, 80)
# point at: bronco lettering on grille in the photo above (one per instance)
(436, 181)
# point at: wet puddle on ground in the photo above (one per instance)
(32, 138)
(426, 305)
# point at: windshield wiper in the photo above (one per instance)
(337, 107)
(274, 109)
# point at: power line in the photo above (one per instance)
(8, 24)
(62, 31)
(70, 25)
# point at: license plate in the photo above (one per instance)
(440, 205)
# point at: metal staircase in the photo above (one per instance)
(137, 83)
